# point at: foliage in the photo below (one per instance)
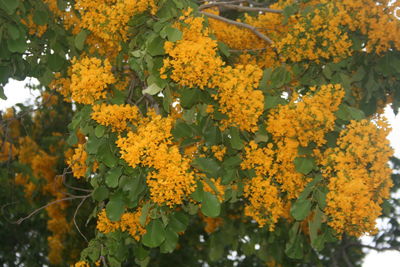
(175, 132)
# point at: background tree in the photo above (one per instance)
(178, 132)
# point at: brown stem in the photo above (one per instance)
(239, 24)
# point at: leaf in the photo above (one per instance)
(100, 193)
(99, 131)
(320, 196)
(304, 165)
(17, 46)
(189, 97)
(178, 222)
(144, 214)
(55, 62)
(155, 46)
(210, 205)
(212, 135)
(112, 177)
(207, 165)
(152, 89)
(171, 240)
(300, 209)
(236, 141)
(115, 207)
(273, 101)
(13, 31)
(40, 17)
(314, 226)
(279, 77)
(80, 39)
(182, 130)
(155, 234)
(2, 95)
(173, 34)
(224, 49)
(294, 248)
(310, 187)
(10, 5)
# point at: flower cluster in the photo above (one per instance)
(116, 116)
(130, 222)
(151, 146)
(238, 97)
(359, 177)
(265, 205)
(108, 20)
(192, 60)
(89, 80)
(314, 36)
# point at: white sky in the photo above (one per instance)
(16, 93)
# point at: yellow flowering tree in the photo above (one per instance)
(193, 133)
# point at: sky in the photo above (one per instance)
(16, 93)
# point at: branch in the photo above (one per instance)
(205, 6)
(49, 204)
(239, 24)
(75, 213)
(374, 248)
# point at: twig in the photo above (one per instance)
(253, 9)
(239, 24)
(209, 5)
(47, 205)
(247, 50)
(372, 247)
(75, 213)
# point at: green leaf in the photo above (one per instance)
(210, 205)
(300, 209)
(236, 141)
(173, 34)
(155, 46)
(152, 89)
(40, 17)
(294, 248)
(55, 62)
(99, 131)
(314, 226)
(17, 46)
(155, 234)
(266, 76)
(189, 97)
(178, 222)
(224, 49)
(348, 113)
(320, 196)
(182, 130)
(216, 248)
(207, 165)
(279, 77)
(212, 135)
(144, 214)
(310, 187)
(10, 5)
(304, 165)
(13, 31)
(2, 95)
(100, 193)
(80, 39)
(112, 177)
(115, 207)
(107, 156)
(171, 240)
(273, 101)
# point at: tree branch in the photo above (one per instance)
(239, 24)
(49, 204)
